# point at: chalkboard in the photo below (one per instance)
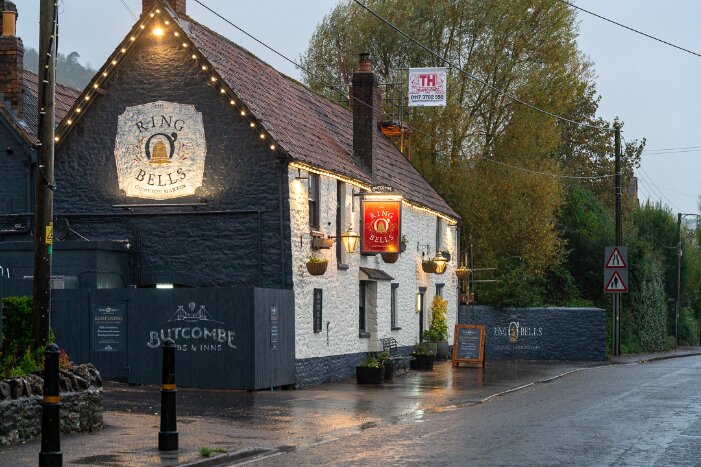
(318, 293)
(468, 344)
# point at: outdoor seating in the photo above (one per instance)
(389, 345)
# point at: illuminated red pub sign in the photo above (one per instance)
(382, 224)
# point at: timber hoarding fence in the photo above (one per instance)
(237, 338)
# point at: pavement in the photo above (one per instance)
(249, 426)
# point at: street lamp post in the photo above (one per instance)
(677, 301)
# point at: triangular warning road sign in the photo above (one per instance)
(616, 284)
(615, 260)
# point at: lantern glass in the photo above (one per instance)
(350, 240)
(441, 263)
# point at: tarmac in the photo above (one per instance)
(248, 426)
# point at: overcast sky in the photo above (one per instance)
(655, 89)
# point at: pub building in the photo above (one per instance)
(201, 195)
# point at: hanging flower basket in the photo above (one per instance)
(317, 268)
(390, 257)
(429, 266)
(462, 273)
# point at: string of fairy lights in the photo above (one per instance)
(161, 27)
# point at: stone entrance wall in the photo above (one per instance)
(20, 404)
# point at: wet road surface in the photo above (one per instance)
(637, 414)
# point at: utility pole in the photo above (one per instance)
(679, 277)
(619, 240)
(44, 173)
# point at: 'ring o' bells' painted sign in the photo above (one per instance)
(382, 223)
(160, 150)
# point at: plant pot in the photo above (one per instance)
(423, 362)
(462, 273)
(389, 370)
(317, 268)
(443, 351)
(390, 257)
(321, 243)
(446, 255)
(402, 247)
(368, 375)
(428, 266)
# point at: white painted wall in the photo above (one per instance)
(340, 287)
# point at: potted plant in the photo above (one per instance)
(402, 243)
(317, 265)
(446, 254)
(428, 265)
(390, 257)
(462, 272)
(437, 332)
(424, 356)
(387, 364)
(370, 371)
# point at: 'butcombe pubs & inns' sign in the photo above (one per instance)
(160, 150)
(382, 224)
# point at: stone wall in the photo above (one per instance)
(540, 333)
(20, 404)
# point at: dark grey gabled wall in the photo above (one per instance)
(16, 190)
(241, 174)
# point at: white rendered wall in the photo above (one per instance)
(340, 287)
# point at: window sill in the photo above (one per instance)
(395, 328)
(364, 335)
(342, 267)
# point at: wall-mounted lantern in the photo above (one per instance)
(441, 263)
(350, 239)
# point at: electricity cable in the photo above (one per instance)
(631, 29)
(129, 9)
(473, 77)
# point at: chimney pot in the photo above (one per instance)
(365, 64)
(9, 18)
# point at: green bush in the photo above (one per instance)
(515, 286)
(688, 327)
(19, 357)
(438, 330)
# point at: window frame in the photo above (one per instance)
(394, 324)
(313, 200)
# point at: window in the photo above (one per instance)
(393, 308)
(439, 290)
(361, 308)
(340, 222)
(313, 194)
(439, 236)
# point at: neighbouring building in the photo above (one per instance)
(188, 172)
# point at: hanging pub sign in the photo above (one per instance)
(427, 87)
(160, 150)
(382, 224)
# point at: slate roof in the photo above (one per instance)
(65, 97)
(311, 128)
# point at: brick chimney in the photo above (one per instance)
(365, 105)
(178, 6)
(11, 57)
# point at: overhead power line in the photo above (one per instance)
(473, 77)
(414, 130)
(631, 29)
(129, 9)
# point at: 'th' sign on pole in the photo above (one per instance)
(616, 269)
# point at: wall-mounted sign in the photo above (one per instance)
(382, 224)
(160, 150)
(382, 189)
(108, 328)
(427, 86)
(274, 327)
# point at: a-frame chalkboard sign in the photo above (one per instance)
(468, 344)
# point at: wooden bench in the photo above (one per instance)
(389, 345)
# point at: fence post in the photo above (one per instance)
(168, 436)
(50, 454)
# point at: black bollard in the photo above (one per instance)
(51, 455)
(168, 436)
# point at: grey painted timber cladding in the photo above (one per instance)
(540, 333)
(222, 335)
